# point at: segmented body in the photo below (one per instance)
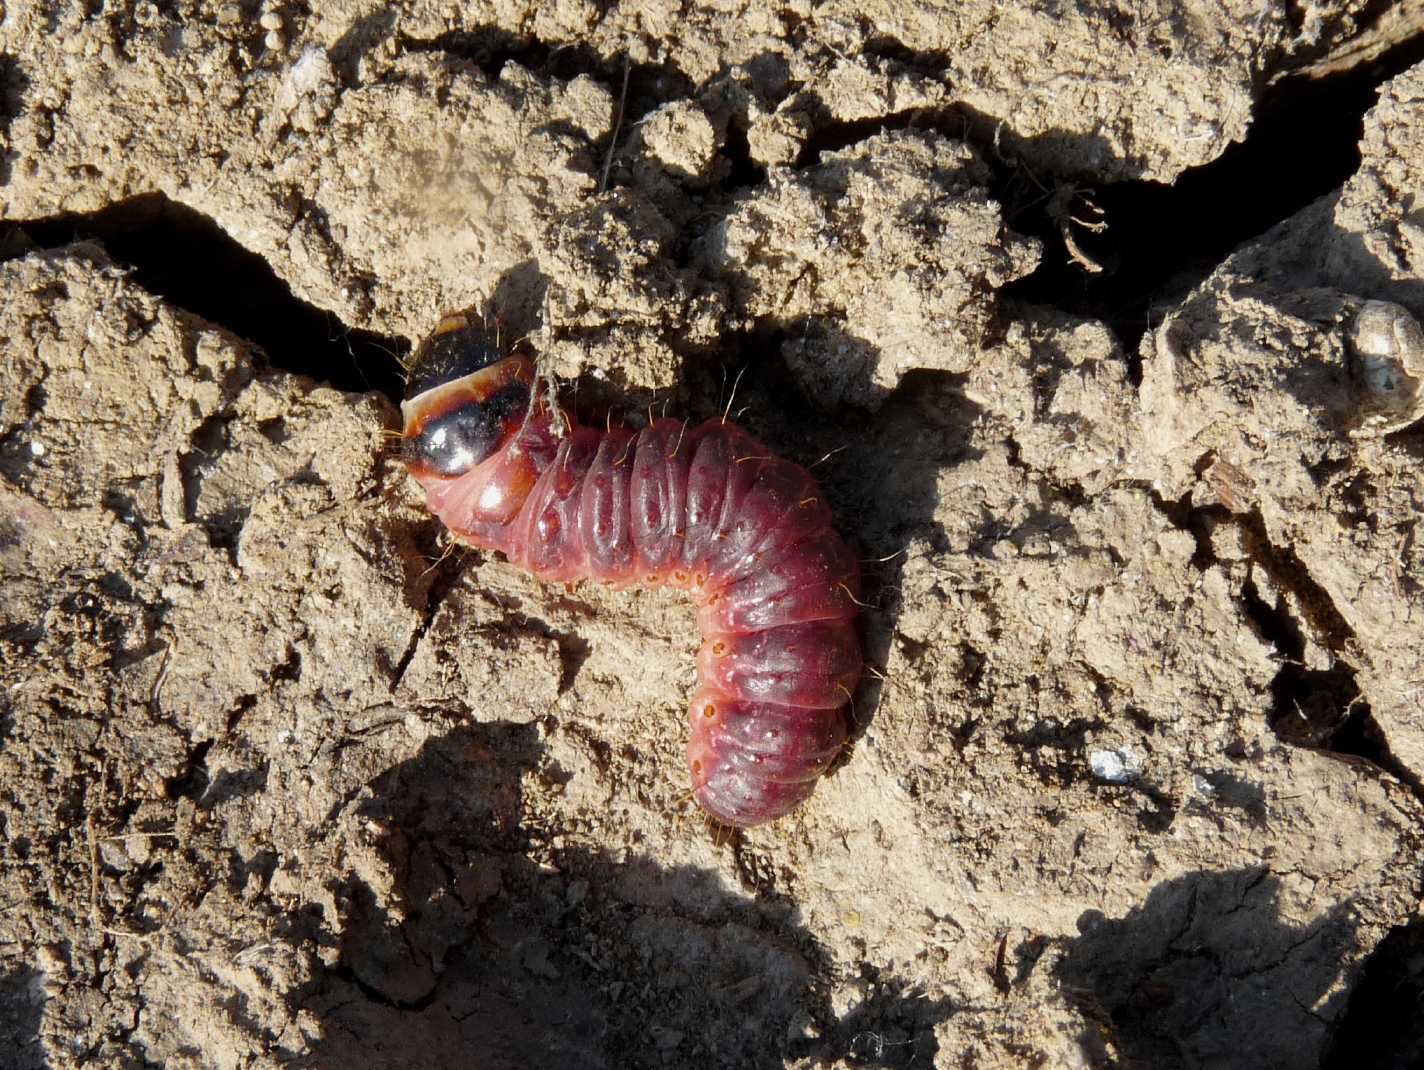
(705, 509)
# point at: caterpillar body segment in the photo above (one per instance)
(705, 509)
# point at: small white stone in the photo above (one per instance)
(1116, 766)
(274, 41)
(270, 20)
(37, 449)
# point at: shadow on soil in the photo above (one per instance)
(1207, 972)
(478, 940)
(880, 473)
(21, 1010)
(1383, 1027)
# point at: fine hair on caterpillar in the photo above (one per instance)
(707, 509)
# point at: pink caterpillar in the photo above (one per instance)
(702, 508)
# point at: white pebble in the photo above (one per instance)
(1116, 766)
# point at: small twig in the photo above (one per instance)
(138, 835)
(125, 932)
(94, 913)
(157, 692)
(735, 383)
(617, 126)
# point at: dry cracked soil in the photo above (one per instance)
(1100, 323)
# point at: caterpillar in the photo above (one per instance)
(704, 509)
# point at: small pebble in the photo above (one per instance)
(1389, 346)
(1114, 766)
(270, 20)
(274, 41)
(37, 449)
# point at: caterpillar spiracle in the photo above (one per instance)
(703, 508)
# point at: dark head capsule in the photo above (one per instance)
(463, 399)
(458, 346)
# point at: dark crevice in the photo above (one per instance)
(1360, 735)
(1321, 708)
(13, 85)
(185, 258)
(447, 572)
(290, 668)
(1289, 573)
(489, 48)
(953, 121)
(1309, 707)
(1196, 521)
(192, 782)
(1161, 240)
(1382, 1027)
(375, 995)
(745, 172)
(574, 649)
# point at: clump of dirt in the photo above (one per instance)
(1138, 775)
(896, 235)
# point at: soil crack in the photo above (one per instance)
(1161, 241)
(184, 257)
(448, 569)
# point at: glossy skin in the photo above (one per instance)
(705, 509)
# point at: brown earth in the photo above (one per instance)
(1139, 777)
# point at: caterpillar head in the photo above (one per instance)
(464, 398)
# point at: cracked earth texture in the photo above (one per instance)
(1139, 778)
